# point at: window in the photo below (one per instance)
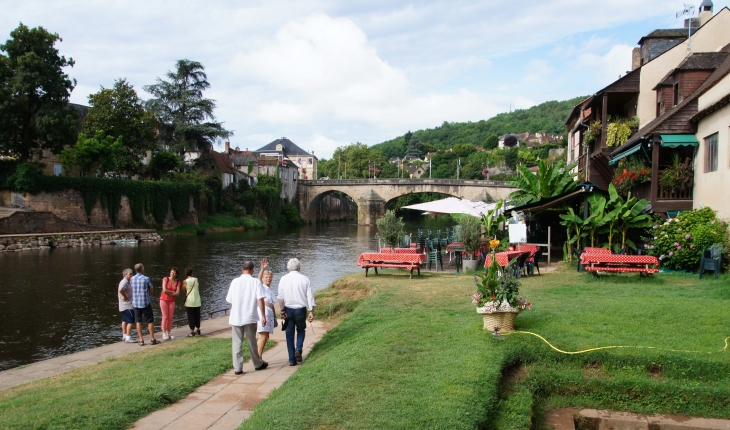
(676, 94)
(57, 169)
(711, 153)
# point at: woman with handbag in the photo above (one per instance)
(170, 292)
(192, 302)
(266, 276)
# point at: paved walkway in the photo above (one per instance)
(225, 402)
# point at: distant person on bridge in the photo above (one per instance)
(245, 295)
(141, 289)
(295, 298)
(264, 330)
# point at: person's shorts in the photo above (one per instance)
(146, 312)
(128, 316)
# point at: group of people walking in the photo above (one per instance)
(135, 303)
(252, 308)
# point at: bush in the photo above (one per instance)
(679, 242)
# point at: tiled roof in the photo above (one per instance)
(289, 148)
(667, 33)
(703, 61)
(223, 162)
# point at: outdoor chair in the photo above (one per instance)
(434, 254)
(535, 264)
(520, 264)
(711, 260)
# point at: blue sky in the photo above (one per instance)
(327, 73)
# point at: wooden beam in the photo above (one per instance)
(654, 193)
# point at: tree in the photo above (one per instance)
(414, 146)
(550, 181)
(119, 112)
(390, 228)
(100, 154)
(163, 162)
(492, 142)
(186, 119)
(34, 92)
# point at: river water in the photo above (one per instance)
(62, 301)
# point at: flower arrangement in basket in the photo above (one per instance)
(498, 297)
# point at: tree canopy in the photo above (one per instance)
(34, 92)
(119, 112)
(186, 119)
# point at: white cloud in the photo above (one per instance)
(607, 67)
(537, 71)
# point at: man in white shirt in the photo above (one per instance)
(295, 299)
(245, 294)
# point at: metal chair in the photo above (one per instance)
(520, 264)
(434, 255)
(711, 260)
(535, 264)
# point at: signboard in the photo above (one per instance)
(517, 233)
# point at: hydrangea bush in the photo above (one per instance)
(679, 242)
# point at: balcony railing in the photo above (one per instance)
(675, 193)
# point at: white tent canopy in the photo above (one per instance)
(453, 205)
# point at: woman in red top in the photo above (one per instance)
(170, 291)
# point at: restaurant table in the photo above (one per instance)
(406, 251)
(503, 258)
(599, 262)
(391, 260)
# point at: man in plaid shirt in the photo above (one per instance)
(141, 289)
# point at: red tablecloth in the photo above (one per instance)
(503, 258)
(450, 247)
(390, 258)
(532, 249)
(618, 259)
(406, 251)
(590, 250)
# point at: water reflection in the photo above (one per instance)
(64, 300)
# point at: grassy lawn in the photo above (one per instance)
(117, 392)
(412, 353)
(219, 222)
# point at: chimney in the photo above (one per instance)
(228, 147)
(705, 14)
(312, 152)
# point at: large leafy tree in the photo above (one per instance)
(34, 92)
(551, 180)
(102, 155)
(119, 112)
(186, 119)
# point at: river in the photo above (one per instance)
(62, 301)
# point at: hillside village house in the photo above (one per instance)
(679, 98)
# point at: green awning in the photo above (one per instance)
(675, 140)
(624, 154)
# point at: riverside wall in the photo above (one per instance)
(11, 243)
(68, 205)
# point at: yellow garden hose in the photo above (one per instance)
(611, 346)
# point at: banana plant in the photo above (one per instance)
(551, 180)
(614, 207)
(575, 227)
(493, 218)
(597, 218)
(631, 216)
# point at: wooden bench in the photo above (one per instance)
(376, 260)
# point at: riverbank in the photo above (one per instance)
(26, 242)
(413, 355)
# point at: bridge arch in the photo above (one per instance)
(371, 195)
(332, 204)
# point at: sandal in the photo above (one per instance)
(155, 342)
(141, 343)
(191, 334)
(199, 333)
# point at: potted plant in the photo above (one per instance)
(678, 176)
(390, 228)
(498, 297)
(471, 231)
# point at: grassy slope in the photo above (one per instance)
(117, 392)
(413, 354)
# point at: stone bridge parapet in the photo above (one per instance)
(372, 195)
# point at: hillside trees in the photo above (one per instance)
(34, 93)
(186, 119)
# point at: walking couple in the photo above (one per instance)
(252, 309)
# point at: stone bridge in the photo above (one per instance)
(372, 195)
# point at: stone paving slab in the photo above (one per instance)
(229, 399)
(600, 419)
(54, 366)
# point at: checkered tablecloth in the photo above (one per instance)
(634, 260)
(532, 249)
(503, 258)
(377, 257)
(453, 246)
(406, 251)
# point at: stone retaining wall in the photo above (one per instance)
(24, 243)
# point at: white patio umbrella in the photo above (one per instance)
(453, 205)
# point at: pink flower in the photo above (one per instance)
(676, 243)
(692, 247)
(656, 226)
(661, 257)
(713, 222)
(678, 248)
(671, 254)
(687, 236)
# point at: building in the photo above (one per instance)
(674, 103)
(284, 148)
(416, 171)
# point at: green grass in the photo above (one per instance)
(219, 222)
(115, 393)
(412, 354)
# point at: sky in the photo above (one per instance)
(328, 73)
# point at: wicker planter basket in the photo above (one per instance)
(504, 318)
